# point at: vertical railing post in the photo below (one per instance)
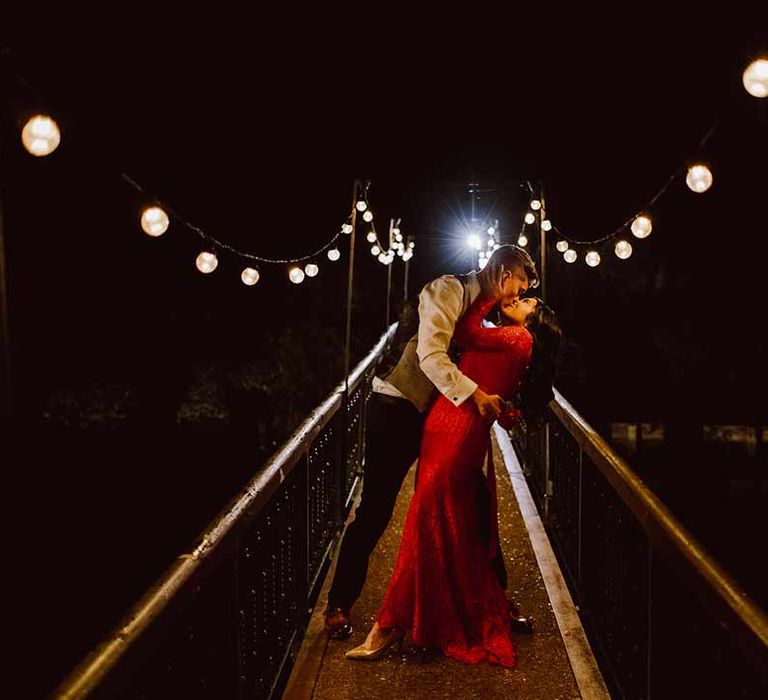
(547, 480)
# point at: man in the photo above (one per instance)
(397, 409)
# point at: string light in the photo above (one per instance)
(623, 250)
(296, 275)
(334, 254)
(592, 258)
(530, 217)
(699, 178)
(311, 269)
(250, 276)
(522, 241)
(482, 263)
(346, 228)
(546, 225)
(491, 230)
(562, 246)
(206, 262)
(641, 227)
(361, 205)
(570, 255)
(154, 221)
(383, 258)
(755, 78)
(368, 215)
(535, 204)
(375, 250)
(371, 237)
(41, 135)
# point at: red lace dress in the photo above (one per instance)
(443, 588)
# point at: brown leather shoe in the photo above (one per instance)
(337, 624)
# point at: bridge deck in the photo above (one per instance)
(554, 662)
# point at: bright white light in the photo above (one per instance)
(570, 256)
(562, 246)
(41, 135)
(398, 236)
(311, 269)
(491, 230)
(206, 262)
(361, 206)
(375, 250)
(530, 217)
(396, 231)
(755, 78)
(522, 241)
(249, 276)
(699, 178)
(411, 244)
(491, 242)
(481, 254)
(154, 221)
(546, 225)
(334, 254)
(346, 228)
(592, 258)
(496, 247)
(473, 241)
(400, 252)
(407, 256)
(623, 249)
(296, 275)
(368, 216)
(641, 226)
(383, 258)
(535, 204)
(371, 237)
(482, 263)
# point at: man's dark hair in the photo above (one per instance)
(512, 256)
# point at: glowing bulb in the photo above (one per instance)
(154, 221)
(346, 228)
(400, 252)
(396, 231)
(473, 241)
(481, 255)
(592, 258)
(361, 205)
(491, 230)
(311, 269)
(407, 256)
(482, 263)
(522, 241)
(375, 250)
(530, 217)
(755, 78)
(535, 204)
(41, 135)
(371, 237)
(546, 225)
(368, 216)
(296, 275)
(334, 254)
(398, 236)
(562, 246)
(623, 250)
(250, 276)
(496, 247)
(641, 226)
(491, 241)
(411, 244)
(570, 255)
(383, 258)
(206, 262)
(699, 178)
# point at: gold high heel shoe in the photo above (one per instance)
(366, 653)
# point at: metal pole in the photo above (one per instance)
(5, 341)
(405, 272)
(389, 272)
(350, 276)
(543, 244)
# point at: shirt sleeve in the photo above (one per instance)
(439, 307)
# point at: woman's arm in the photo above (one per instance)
(470, 333)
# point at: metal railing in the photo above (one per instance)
(227, 618)
(664, 618)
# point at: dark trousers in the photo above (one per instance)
(393, 439)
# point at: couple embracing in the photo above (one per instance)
(447, 587)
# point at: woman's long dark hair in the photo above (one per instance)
(536, 389)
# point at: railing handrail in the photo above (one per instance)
(89, 673)
(666, 531)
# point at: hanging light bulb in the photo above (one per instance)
(491, 230)
(361, 205)
(481, 255)
(346, 228)
(530, 217)
(535, 204)
(41, 135)
(641, 226)
(411, 244)
(296, 275)
(570, 255)
(491, 242)
(334, 254)
(383, 258)
(623, 250)
(371, 237)
(407, 256)
(396, 231)
(592, 258)
(398, 236)
(206, 262)
(482, 263)
(154, 221)
(546, 225)
(400, 252)
(755, 78)
(249, 276)
(699, 178)
(368, 215)
(375, 250)
(522, 241)
(311, 269)
(562, 246)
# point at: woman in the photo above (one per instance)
(443, 588)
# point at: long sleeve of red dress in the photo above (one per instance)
(443, 588)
